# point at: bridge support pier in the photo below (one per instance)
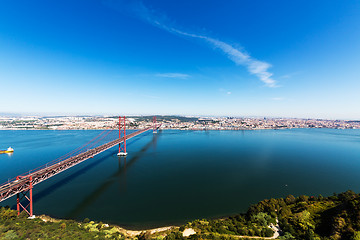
(122, 148)
(154, 125)
(28, 208)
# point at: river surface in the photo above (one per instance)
(176, 176)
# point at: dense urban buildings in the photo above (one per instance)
(171, 122)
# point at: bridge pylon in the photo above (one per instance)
(122, 128)
(154, 125)
(23, 197)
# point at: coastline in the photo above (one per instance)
(122, 230)
(262, 221)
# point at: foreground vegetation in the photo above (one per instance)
(310, 218)
(20, 227)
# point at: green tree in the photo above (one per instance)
(261, 218)
(290, 199)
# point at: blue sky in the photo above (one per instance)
(235, 58)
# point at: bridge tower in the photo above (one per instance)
(122, 128)
(154, 125)
(23, 197)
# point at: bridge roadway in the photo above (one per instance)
(21, 184)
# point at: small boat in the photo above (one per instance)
(9, 150)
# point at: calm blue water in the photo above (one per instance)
(176, 176)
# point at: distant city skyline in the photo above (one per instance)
(203, 58)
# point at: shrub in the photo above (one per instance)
(63, 225)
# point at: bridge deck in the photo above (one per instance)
(13, 187)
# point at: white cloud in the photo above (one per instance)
(173, 75)
(290, 75)
(277, 99)
(238, 56)
(225, 91)
(256, 67)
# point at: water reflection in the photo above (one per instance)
(122, 178)
(119, 175)
(53, 187)
(9, 154)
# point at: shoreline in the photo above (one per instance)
(126, 232)
(162, 230)
(266, 220)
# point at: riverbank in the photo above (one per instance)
(45, 227)
(303, 217)
(126, 232)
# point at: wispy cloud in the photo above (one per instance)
(225, 91)
(173, 75)
(290, 75)
(258, 68)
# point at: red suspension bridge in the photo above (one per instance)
(22, 185)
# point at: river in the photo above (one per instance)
(176, 176)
